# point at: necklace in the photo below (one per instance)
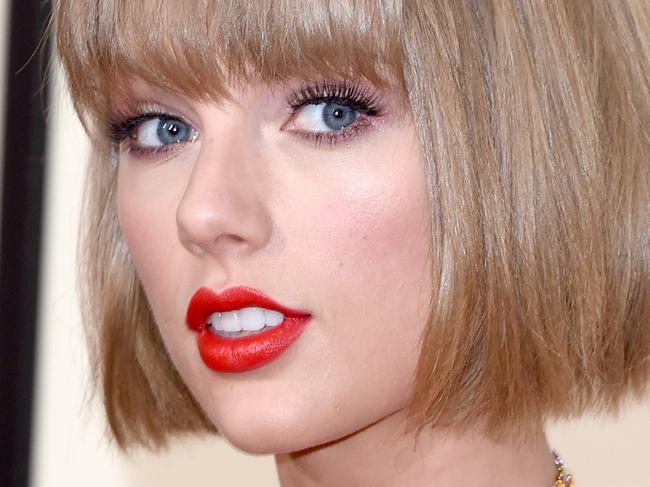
(564, 478)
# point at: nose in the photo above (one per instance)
(222, 210)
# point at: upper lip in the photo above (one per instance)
(205, 301)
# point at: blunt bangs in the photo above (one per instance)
(533, 123)
(199, 49)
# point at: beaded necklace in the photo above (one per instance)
(564, 478)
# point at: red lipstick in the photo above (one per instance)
(239, 354)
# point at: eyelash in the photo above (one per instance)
(364, 100)
(121, 131)
(360, 98)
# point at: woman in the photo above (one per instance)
(384, 241)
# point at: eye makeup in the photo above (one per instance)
(126, 131)
(356, 107)
(362, 99)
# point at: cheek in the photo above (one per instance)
(379, 249)
(140, 229)
(375, 233)
(369, 250)
(146, 206)
(381, 226)
(352, 246)
(142, 224)
(147, 218)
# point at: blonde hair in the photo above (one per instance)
(533, 118)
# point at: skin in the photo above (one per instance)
(340, 231)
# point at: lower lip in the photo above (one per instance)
(252, 351)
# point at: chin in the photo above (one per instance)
(265, 434)
(256, 431)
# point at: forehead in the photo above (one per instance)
(199, 48)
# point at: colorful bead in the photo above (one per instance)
(564, 478)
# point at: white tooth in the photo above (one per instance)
(230, 321)
(251, 319)
(215, 321)
(272, 318)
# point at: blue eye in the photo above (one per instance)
(162, 131)
(337, 116)
(325, 117)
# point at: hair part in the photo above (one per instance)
(533, 118)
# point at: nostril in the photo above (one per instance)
(194, 248)
(214, 217)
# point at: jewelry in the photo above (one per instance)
(564, 478)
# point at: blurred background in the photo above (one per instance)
(51, 434)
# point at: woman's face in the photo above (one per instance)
(312, 194)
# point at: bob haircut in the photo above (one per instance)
(533, 117)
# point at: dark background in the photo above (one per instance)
(23, 168)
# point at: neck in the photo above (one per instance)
(385, 454)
